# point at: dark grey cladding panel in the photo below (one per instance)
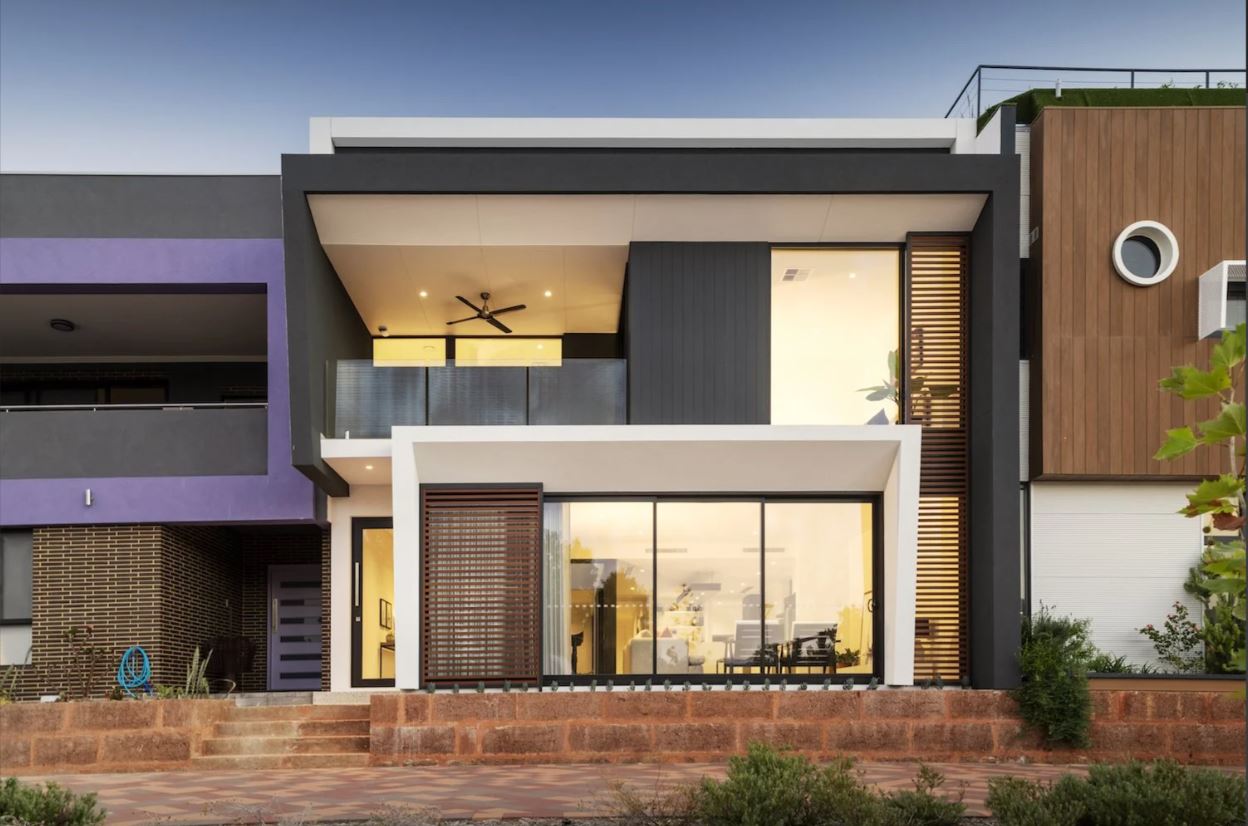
(699, 333)
(582, 391)
(140, 206)
(477, 395)
(369, 400)
(67, 444)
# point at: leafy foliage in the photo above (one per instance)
(1132, 794)
(1103, 663)
(1054, 696)
(1221, 499)
(770, 787)
(50, 804)
(1178, 641)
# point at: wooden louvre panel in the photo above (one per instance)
(480, 583)
(937, 397)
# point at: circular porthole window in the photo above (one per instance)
(1145, 253)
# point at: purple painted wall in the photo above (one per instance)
(282, 495)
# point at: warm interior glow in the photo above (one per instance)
(409, 352)
(377, 605)
(508, 352)
(832, 332)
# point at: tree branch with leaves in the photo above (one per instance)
(1222, 498)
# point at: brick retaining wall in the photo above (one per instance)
(677, 726)
(1204, 727)
(104, 735)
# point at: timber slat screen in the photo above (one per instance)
(937, 398)
(480, 585)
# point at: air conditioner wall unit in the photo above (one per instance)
(1222, 299)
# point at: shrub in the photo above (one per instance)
(768, 787)
(49, 805)
(1054, 696)
(1132, 794)
(1103, 663)
(1178, 641)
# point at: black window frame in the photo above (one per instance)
(875, 499)
(359, 524)
(29, 619)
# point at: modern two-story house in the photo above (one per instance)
(462, 402)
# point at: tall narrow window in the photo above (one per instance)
(16, 591)
(598, 582)
(835, 335)
(373, 602)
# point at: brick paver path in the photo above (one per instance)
(469, 792)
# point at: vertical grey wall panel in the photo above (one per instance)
(699, 333)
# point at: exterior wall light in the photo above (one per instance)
(1145, 253)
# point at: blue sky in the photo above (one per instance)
(226, 86)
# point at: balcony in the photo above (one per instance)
(369, 400)
(95, 441)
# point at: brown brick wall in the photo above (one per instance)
(166, 588)
(583, 727)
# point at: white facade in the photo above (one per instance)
(622, 459)
(1114, 553)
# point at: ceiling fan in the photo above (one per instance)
(484, 313)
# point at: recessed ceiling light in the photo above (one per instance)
(548, 293)
(541, 346)
(62, 325)
(368, 467)
(853, 275)
(424, 294)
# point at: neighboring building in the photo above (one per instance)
(1164, 184)
(765, 382)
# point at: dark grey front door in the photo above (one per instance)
(294, 627)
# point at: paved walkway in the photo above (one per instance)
(467, 792)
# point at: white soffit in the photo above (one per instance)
(637, 458)
(616, 220)
(388, 248)
(327, 134)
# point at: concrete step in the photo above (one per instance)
(300, 712)
(254, 762)
(217, 746)
(290, 728)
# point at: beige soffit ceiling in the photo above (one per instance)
(388, 248)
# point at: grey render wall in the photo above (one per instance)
(699, 333)
(71, 444)
(140, 206)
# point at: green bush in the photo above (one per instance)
(769, 787)
(49, 805)
(1132, 794)
(1103, 663)
(1053, 660)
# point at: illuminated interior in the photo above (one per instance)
(376, 604)
(409, 352)
(508, 352)
(705, 573)
(835, 334)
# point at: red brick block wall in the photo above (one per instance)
(678, 726)
(103, 736)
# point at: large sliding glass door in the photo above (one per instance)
(670, 586)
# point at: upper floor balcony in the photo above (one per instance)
(369, 399)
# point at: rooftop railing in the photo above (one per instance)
(989, 84)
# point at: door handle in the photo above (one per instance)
(273, 616)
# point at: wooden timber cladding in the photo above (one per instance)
(937, 397)
(480, 584)
(1102, 344)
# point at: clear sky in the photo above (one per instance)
(229, 85)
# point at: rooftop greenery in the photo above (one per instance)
(1031, 104)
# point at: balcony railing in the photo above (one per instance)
(102, 440)
(369, 400)
(988, 85)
